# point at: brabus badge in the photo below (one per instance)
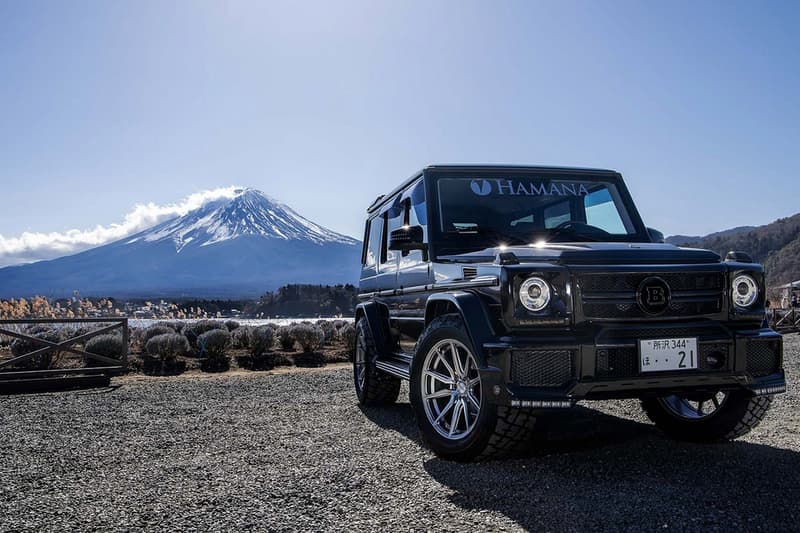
(653, 295)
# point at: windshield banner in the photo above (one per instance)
(509, 187)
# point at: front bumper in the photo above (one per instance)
(603, 363)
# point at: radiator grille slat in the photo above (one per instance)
(613, 296)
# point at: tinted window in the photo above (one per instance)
(481, 212)
(374, 244)
(395, 218)
(417, 215)
(556, 215)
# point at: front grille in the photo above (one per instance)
(623, 362)
(678, 281)
(542, 368)
(613, 296)
(763, 358)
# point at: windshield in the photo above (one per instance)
(525, 210)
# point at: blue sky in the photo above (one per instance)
(325, 105)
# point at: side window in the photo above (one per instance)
(416, 215)
(395, 218)
(602, 212)
(374, 242)
(418, 210)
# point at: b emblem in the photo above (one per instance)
(653, 296)
(481, 187)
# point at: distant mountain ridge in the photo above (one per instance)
(684, 240)
(776, 245)
(227, 248)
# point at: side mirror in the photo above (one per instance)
(655, 235)
(407, 238)
(738, 257)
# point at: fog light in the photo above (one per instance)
(497, 390)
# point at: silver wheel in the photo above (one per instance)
(451, 389)
(360, 362)
(694, 407)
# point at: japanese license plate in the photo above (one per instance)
(658, 355)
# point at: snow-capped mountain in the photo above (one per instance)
(250, 212)
(233, 247)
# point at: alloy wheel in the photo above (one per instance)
(451, 389)
(696, 407)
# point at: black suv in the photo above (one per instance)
(498, 291)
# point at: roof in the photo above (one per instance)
(380, 200)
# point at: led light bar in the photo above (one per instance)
(770, 390)
(543, 404)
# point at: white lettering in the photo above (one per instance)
(541, 190)
(508, 183)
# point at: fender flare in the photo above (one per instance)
(473, 312)
(376, 319)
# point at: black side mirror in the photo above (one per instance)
(407, 238)
(655, 235)
(738, 257)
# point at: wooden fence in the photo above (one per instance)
(12, 379)
(785, 320)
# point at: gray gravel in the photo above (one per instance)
(295, 452)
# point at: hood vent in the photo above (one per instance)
(469, 272)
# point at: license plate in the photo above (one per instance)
(658, 355)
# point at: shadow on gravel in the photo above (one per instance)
(397, 417)
(588, 470)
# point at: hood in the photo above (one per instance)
(622, 253)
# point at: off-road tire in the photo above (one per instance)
(379, 387)
(739, 414)
(500, 431)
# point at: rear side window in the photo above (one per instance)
(374, 242)
(395, 218)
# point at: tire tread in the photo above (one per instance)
(381, 388)
(513, 427)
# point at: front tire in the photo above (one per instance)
(455, 418)
(718, 417)
(373, 387)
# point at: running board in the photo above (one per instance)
(395, 368)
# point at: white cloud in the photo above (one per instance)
(29, 246)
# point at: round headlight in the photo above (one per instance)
(534, 294)
(745, 290)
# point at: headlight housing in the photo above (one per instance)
(534, 294)
(744, 290)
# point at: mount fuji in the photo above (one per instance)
(229, 248)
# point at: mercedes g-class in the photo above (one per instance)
(498, 291)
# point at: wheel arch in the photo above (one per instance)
(376, 316)
(473, 313)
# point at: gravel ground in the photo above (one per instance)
(295, 452)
